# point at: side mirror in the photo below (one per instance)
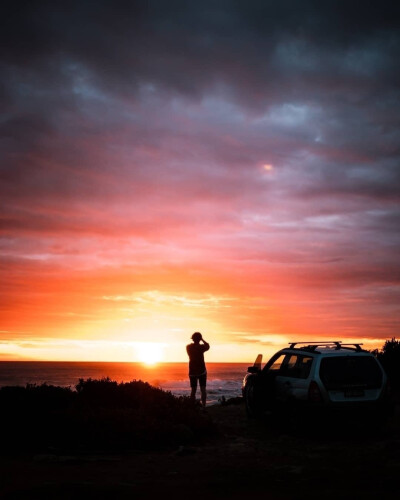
(253, 369)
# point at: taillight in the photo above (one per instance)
(314, 394)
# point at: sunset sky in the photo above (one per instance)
(224, 166)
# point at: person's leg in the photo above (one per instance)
(203, 383)
(193, 385)
(203, 395)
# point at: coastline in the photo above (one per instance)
(224, 379)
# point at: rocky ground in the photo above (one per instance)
(249, 458)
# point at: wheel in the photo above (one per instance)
(252, 401)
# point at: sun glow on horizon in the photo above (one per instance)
(152, 353)
(149, 353)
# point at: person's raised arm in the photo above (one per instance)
(206, 345)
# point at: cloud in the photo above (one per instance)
(135, 135)
(158, 298)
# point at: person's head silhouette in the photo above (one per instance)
(196, 337)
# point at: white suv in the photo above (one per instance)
(316, 375)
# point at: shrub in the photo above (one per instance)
(101, 414)
(389, 356)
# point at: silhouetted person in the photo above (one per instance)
(197, 366)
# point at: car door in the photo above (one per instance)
(291, 384)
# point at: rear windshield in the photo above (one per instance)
(344, 371)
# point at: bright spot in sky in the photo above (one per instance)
(268, 167)
(149, 353)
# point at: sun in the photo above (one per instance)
(149, 353)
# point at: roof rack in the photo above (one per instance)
(352, 347)
(315, 344)
(312, 346)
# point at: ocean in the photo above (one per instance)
(224, 379)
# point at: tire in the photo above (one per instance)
(252, 402)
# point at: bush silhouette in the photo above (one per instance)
(389, 356)
(99, 414)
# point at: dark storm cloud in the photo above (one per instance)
(186, 47)
(259, 52)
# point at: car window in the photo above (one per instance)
(304, 365)
(276, 364)
(291, 363)
(340, 371)
(297, 366)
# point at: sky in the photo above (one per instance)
(228, 166)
